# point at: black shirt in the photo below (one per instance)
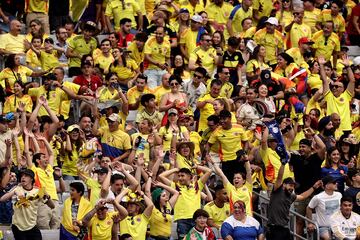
(279, 207)
(306, 170)
(232, 61)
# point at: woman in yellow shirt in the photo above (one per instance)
(14, 71)
(220, 104)
(314, 81)
(126, 68)
(12, 102)
(36, 29)
(161, 218)
(284, 15)
(180, 68)
(256, 64)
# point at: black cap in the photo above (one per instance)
(101, 170)
(305, 141)
(289, 180)
(328, 179)
(265, 75)
(224, 114)
(28, 172)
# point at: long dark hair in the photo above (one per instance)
(123, 58)
(41, 31)
(10, 61)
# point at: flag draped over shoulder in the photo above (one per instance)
(77, 8)
(275, 131)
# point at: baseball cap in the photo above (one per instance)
(73, 127)
(305, 40)
(183, 10)
(114, 117)
(272, 21)
(305, 141)
(172, 111)
(101, 170)
(265, 75)
(328, 179)
(356, 61)
(197, 18)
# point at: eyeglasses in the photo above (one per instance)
(174, 84)
(336, 86)
(197, 76)
(226, 73)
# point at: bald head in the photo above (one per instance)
(335, 119)
(15, 27)
(165, 79)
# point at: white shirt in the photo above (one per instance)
(193, 93)
(344, 228)
(325, 205)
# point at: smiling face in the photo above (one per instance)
(337, 88)
(263, 90)
(178, 61)
(239, 209)
(174, 85)
(335, 156)
(184, 150)
(74, 135)
(238, 180)
(34, 27)
(218, 106)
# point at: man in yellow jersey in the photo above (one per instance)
(205, 103)
(298, 53)
(38, 9)
(81, 45)
(157, 54)
(189, 199)
(337, 97)
(188, 39)
(193, 6)
(163, 88)
(219, 209)
(136, 49)
(218, 13)
(262, 8)
(327, 43)
(297, 29)
(134, 93)
(334, 15)
(231, 139)
(204, 55)
(238, 14)
(223, 74)
(12, 42)
(42, 166)
(271, 39)
(311, 15)
(119, 9)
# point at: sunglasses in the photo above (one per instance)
(226, 73)
(286, 1)
(197, 76)
(174, 84)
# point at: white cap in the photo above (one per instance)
(197, 18)
(272, 21)
(356, 61)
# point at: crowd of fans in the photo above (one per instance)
(167, 119)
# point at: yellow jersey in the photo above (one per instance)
(160, 223)
(311, 18)
(8, 76)
(136, 226)
(218, 215)
(243, 193)
(297, 31)
(341, 106)
(46, 180)
(79, 45)
(325, 48)
(159, 51)
(205, 59)
(133, 94)
(37, 6)
(101, 229)
(206, 111)
(54, 98)
(338, 20)
(273, 43)
(12, 103)
(118, 10)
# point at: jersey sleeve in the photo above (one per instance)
(226, 230)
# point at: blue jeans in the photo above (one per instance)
(183, 227)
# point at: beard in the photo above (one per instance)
(329, 132)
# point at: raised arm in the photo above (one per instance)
(105, 185)
(279, 178)
(164, 176)
(323, 76)
(206, 173)
(49, 150)
(149, 206)
(34, 115)
(174, 193)
(55, 121)
(351, 84)
(123, 213)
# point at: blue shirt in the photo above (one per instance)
(238, 230)
(338, 174)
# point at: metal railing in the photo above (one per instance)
(293, 215)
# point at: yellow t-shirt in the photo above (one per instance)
(114, 142)
(286, 19)
(65, 104)
(244, 194)
(199, 7)
(206, 111)
(38, 6)
(325, 48)
(124, 73)
(341, 106)
(219, 14)
(49, 60)
(69, 166)
(46, 179)
(158, 52)
(135, 55)
(29, 37)
(297, 31)
(298, 57)
(183, 162)
(119, 10)
(263, 6)
(338, 20)
(32, 59)
(272, 164)
(136, 226)
(101, 229)
(160, 225)
(156, 117)
(311, 18)
(12, 103)
(133, 94)
(95, 190)
(11, 43)
(205, 59)
(104, 62)
(188, 201)
(229, 141)
(167, 135)
(79, 45)
(314, 81)
(25, 208)
(238, 17)
(255, 67)
(272, 43)
(54, 98)
(159, 92)
(188, 38)
(11, 76)
(218, 215)
(144, 146)
(196, 139)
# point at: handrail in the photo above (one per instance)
(267, 199)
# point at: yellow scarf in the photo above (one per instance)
(84, 208)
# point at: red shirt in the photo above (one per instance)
(355, 12)
(125, 41)
(95, 82)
